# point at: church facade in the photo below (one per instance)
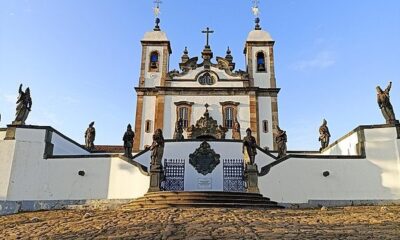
(235, 99)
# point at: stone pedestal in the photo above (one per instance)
(251, 174)
(10, 133)
(398, 130)
(156, 176)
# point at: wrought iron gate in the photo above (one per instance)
(174, 171)
(233, 175)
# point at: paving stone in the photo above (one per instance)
(370, 222)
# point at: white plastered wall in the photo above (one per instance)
(2, 134)
(63, 147)
(198, 110)
(126, 181)
(35, 178)
(347, 146)
(265, 113)
(376, 177)
(149, 111)
(382, 149)
(7, 149)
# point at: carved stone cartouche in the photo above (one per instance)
(204, 159)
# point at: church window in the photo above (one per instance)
(229, 117)
(184, 111)
(154, 61)
(265, 126)
(229, 113)
(147, 126)
(261, 62)
(207, 78)
(184, 115)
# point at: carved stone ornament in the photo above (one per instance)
(204, 159)
(206, 128)
(207, 78)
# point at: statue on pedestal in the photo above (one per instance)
(156, 169)
(178, 134)
(24, 105)
(189, 131)
(221, 132)
(281, 139)
(236, 130)
(324, 135)
(90, 136)
(250, 144)
(157, 148)
(128, 141)
(385, 105)
(251, 171)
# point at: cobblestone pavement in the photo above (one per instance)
(374, 222)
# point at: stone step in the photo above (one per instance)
(202, 193)
(204, 205)
(202, 199)
(216, 200)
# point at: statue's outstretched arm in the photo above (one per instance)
(387, 90)
(20, 89)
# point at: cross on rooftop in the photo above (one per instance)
(207, 31)
(158, 2)
(255, 8)
(157, 7)
(256, 2)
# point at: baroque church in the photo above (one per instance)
(207, 88)
(204, 110)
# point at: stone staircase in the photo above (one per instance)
(202, 199)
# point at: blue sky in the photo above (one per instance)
(81, 59)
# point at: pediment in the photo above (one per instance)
(194, 72)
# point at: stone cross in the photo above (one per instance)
(207, 31)
(206, 105)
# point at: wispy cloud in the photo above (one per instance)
(70, 100)
(10, 98)
(44, 117)
(322, 60)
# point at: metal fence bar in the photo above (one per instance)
(174, 171)
(233, 172)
